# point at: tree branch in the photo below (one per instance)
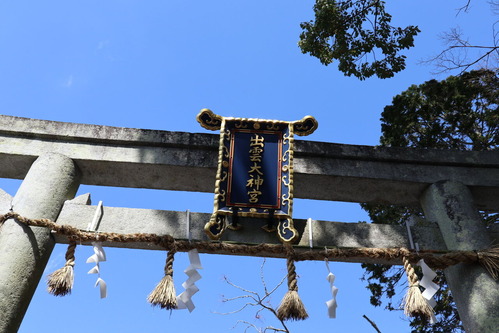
(373, 324)
(453, 58)
(464, 8)
(258, 301)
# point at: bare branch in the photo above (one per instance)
(464, 8)
(267, 294)
(275, 329)
(239, 297)
(262, 278)
(494, 6)
(373, 324)
(460, 54)
(236, 311)
(258, 301)
(456, 55)
(238, 287)
(249, 325)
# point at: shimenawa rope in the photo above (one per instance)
(489, 258)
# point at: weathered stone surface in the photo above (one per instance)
(83, 199)
(5, 201)
(111, 156)
(331, 234)
(475, 292)
(125, 157)
(24, 251)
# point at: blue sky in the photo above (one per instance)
(154, 65)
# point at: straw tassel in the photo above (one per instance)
(415, 305)
(164, 295)
(490, 261)
(291, 305)
(61, 281)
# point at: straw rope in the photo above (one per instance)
(164, 295)
(489, 258)
(414, 303)
(412, 277)
(70, 254)
(61, 281)
(170, 257)
(292, 283)
(291, 307)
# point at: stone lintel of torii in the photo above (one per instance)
(55, 157)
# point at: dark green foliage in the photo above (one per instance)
(460, 112)
(356, 32)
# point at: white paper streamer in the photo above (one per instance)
(331, 304)
(188, 234)
(98, 256)
(409, 233)
(430, 287)
(310, 233)
(184, 299)
(92, 226)
(103, 287)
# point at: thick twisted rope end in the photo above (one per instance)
(61, 281)
(164, 295)
(415, 305)
(291, 306)
(490, 260)
(4, 217)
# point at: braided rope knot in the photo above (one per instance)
(292, 283)
(170, 257)
(70, 254)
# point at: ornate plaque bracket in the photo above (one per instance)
(255, 172)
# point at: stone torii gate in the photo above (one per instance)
(54, 158)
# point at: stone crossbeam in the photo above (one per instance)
(324, 233)
(125, 157)
(448, 185)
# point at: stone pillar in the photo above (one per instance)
(24, 251)
(476, 294)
